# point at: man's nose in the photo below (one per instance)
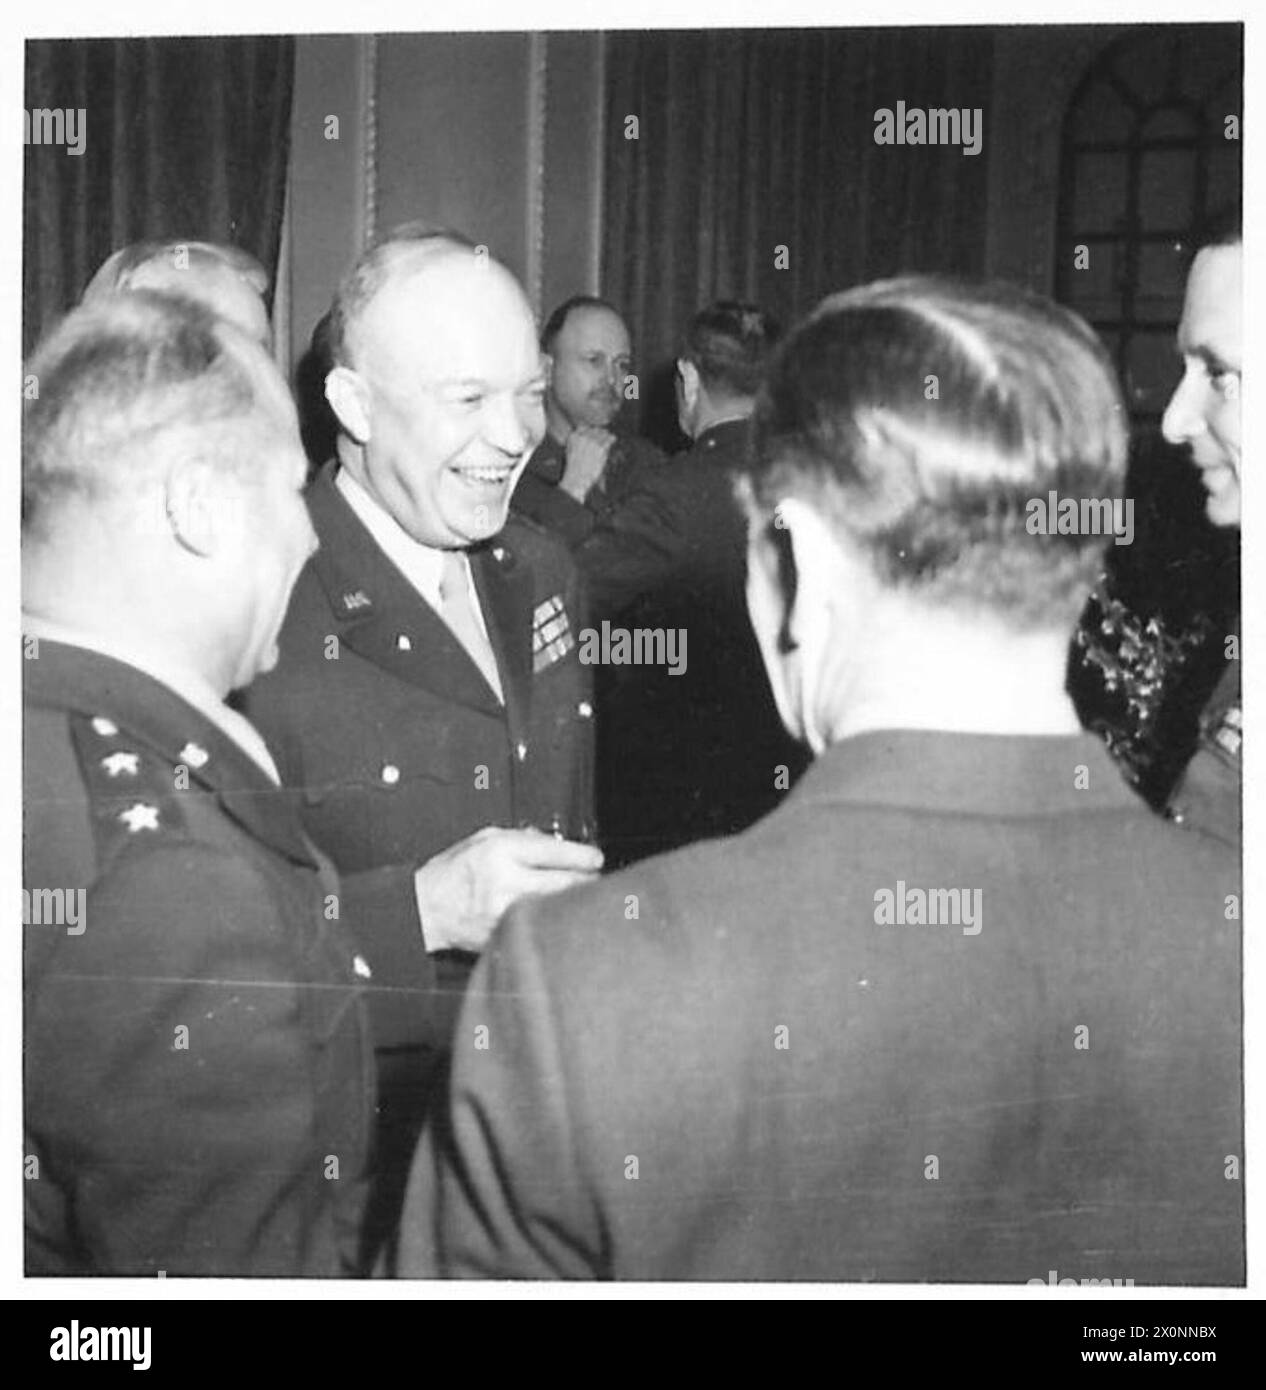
(1184, 415)
(506, 429)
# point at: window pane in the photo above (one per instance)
(1171, 123)
(1160, 283)
(1167, 183)
(1099, 192)
(1095, 292)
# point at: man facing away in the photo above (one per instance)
(199, 1075)
(695, 750)
(1204, 414)
(961, 1008)
(429, 703)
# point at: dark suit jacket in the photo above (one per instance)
(700, 753)
(235, 1147)
(399, 748)
(720, 1065)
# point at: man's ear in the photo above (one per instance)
(816, 567)
(690, 383)
(203, 503)
(348, 395)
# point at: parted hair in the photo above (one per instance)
(411, 243)
(120, 381)
(729, 344)
(921, 415)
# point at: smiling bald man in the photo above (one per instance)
(429, 703)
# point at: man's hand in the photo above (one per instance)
(588, 449)
(463, 891)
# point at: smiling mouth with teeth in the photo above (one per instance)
(488, 475)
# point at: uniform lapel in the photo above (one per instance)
(380, 615)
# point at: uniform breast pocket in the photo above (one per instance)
(431, 776)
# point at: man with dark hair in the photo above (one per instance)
(585, 482)
(962, 1008)
(429, 704)
(691, 753)
(1204, 415)
(199, 1073)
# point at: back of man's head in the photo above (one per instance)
(921, 417)
(125, 384)
(227, 279)
(729, 344)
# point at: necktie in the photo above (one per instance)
(457, 610)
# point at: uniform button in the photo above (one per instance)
(195, 755)
(520, 751)
(107, 728)
(390, 774)
(499, 553)
(361, 966)
(403, 643)
(585, 709)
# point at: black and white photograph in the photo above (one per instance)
(631, 658)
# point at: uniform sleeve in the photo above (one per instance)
(638, 542)
(171, 1082)
(549, 506)
(496, 1191)
(419, 1007)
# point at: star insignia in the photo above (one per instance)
(117, 764)
(140, 817)
(194, 754)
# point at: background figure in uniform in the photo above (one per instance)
(689, 754)
(198, 1065)
(226, 278)
(596, 488)
(1204, 414)
(429, 704)
(962, 1008)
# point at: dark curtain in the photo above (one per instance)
(751, 140)
(185, 138)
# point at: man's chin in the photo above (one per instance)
(1222, 501)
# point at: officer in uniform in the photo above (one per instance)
(961, 1008)
(599, 491)
(1204, 414)
(199, 1070)
(429, 704)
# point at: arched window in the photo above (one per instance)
(1145, 156)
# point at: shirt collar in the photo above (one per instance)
(422, 564)
(1003, 775)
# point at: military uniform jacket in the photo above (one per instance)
(399, 748)
(1208, 795)
(627, 534)
(199, 1076)
(744, 1061)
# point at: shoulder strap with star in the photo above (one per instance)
(132, 794)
